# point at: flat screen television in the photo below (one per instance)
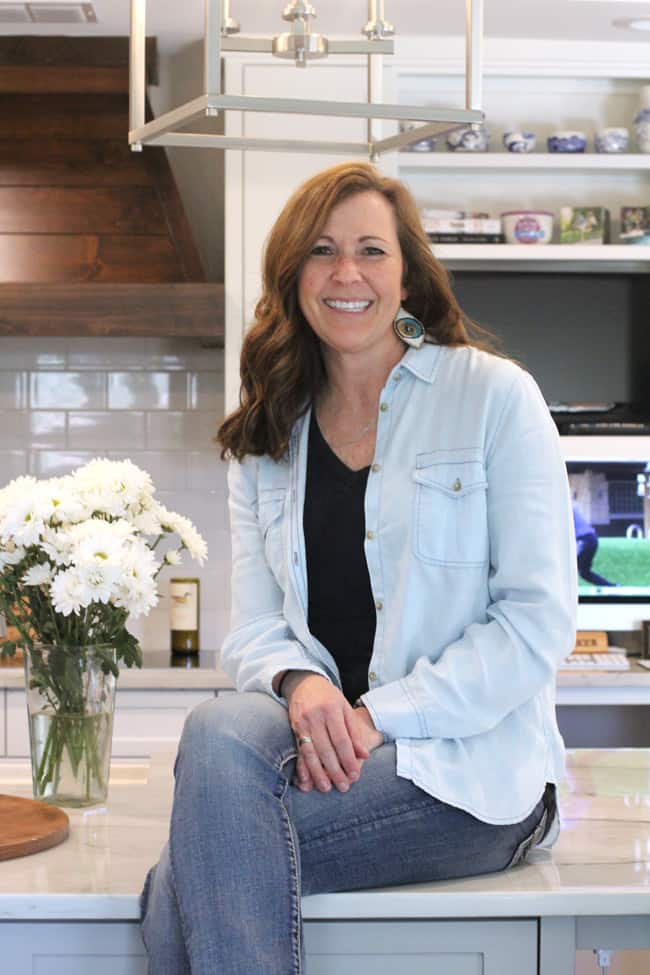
(610, 490)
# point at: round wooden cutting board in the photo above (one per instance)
(29, 826)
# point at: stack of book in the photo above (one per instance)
(460, 227)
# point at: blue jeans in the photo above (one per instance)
(245, 844)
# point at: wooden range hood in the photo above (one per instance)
(93, 237)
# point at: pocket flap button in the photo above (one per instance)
(457, 485)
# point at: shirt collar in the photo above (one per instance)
(422, 362)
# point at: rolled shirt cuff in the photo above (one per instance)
(393, 711)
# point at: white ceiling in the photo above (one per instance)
(178, 22)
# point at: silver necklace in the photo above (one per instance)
(360, 435)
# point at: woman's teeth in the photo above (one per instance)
(347, 305)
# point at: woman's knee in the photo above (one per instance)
(230, 721)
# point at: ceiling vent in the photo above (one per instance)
(61, 13)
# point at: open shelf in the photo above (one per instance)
(578, 161)
(597, 258)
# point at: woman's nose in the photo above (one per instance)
(346, 268)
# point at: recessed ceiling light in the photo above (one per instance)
(632, 23)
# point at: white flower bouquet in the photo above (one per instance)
(78, 557)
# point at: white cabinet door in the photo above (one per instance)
(67, 948)
(17, 740)
(151, 721)
(462, 947)
(145, 721)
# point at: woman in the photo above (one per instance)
(393, 644)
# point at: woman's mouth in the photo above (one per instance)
(348, 306)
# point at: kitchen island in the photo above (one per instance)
(74, 909)
(596, 709)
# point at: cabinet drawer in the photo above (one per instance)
(421, 947)
(145, 721)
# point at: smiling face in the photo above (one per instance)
(350, 286)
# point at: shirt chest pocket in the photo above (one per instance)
(270, 509)
(451, 508)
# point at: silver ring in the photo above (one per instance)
(304, 740)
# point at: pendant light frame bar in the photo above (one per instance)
(161, 131)
(264, 45)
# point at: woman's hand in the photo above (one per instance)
(342, 736)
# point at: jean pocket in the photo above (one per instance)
(451, 508)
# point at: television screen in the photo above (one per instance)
(611, 514)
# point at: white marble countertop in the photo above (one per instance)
(600, 865)
(633, 683)
(146, 678)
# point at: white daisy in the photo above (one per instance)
(38, 575)
(66, 592)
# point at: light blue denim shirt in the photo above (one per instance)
(471, 554)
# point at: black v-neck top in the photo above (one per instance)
(341, 611)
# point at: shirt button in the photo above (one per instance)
(370, 535)
(372, 675)
(457, 485)
(379, 604)
(397, 377)
(383, 407)
(375, 468)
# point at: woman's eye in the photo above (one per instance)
(321, 250)
(373, 251)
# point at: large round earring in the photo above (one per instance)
(409, 329)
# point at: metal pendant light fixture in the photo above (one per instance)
(300, 44)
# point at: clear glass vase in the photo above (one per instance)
(70, 705)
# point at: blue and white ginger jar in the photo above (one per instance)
(468, 140)
(519, 141)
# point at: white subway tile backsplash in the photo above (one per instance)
(103, 430)
(13, 390)
(17, 352)
(67, 390)
(13, 463)
(21, 429)
(57, 463)
(206, 471)
(111, 352)
(205, 391)
(46, 428)
(167, 468)
(176, 429)
(147, 391)
(153, 631)
(184, 354)
(157, 401)
(199, 507)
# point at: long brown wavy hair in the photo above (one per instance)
(282, 368)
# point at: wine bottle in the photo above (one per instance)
(184, 616)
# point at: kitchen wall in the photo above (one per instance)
(158, 402)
